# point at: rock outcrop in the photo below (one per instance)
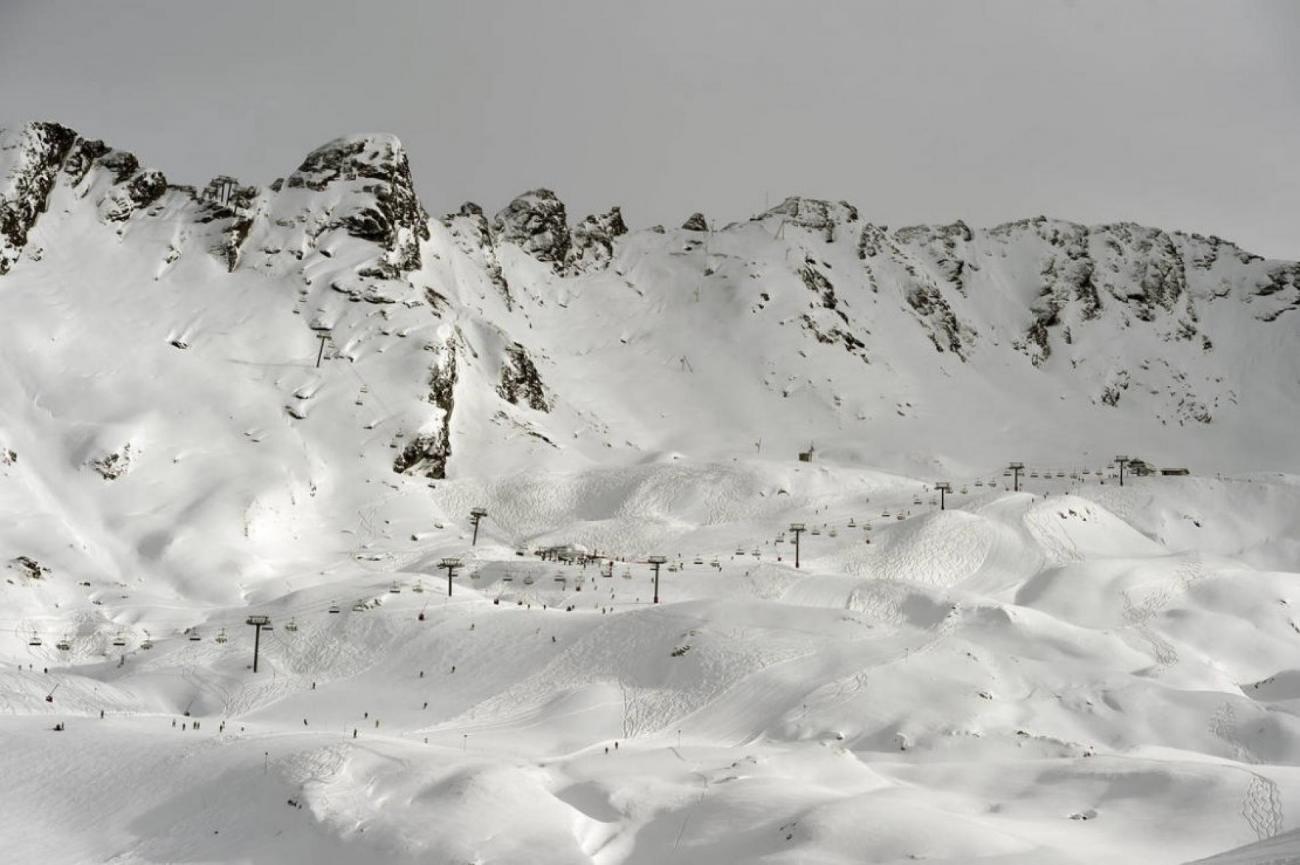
(388, 213)
(536, 222)
(593, 242)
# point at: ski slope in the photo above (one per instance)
(284, 400)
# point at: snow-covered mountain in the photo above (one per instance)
(521, 339)
(173, 456)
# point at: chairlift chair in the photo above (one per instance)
(852, 524)
(63, 645)
(334, 607)
(359, 607)
(35, 640)
(221, 636)
(395, 589)
(757, 554)
(699, 560)
(195, 636)
(119, 640)
(815, 531)
(147, 644)
(418, 588)
(291, 625)
(979, 483)
(833, 533)
(528, 580)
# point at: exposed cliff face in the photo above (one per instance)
(520, 382)
(593, 242)
(536, 222)
(473, 235)
(35, 153)
(392, 217)
(428, 452)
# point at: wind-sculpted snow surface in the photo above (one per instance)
(284, 400)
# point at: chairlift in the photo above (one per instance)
(699, 560)
(35, 640)
(979, 483)
(120, 639)
(528, 580)
(815, 531)
(147, 644)
(1060, 474)
(1006, 474)
(561, 580)
(291, 626)
(1033, 474)
(852, 524)
(334, 607)
(963, 491)
(359, 607)
(714, 563)
(63, 645)
(757, 554)
(627, 573)
(900, 517)
(418, 588)
(886, 514)
(508, 578)
(394, 589)
(195, 636)
(916, 501)
(221, 636)
(833, 533)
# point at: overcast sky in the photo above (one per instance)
(1181, 114)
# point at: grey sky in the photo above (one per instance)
(1182, 114)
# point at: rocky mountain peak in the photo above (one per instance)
(37, 156)
(391, 215)
(815, 214)
(593, 241)
(695, 222)
(537, 223)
